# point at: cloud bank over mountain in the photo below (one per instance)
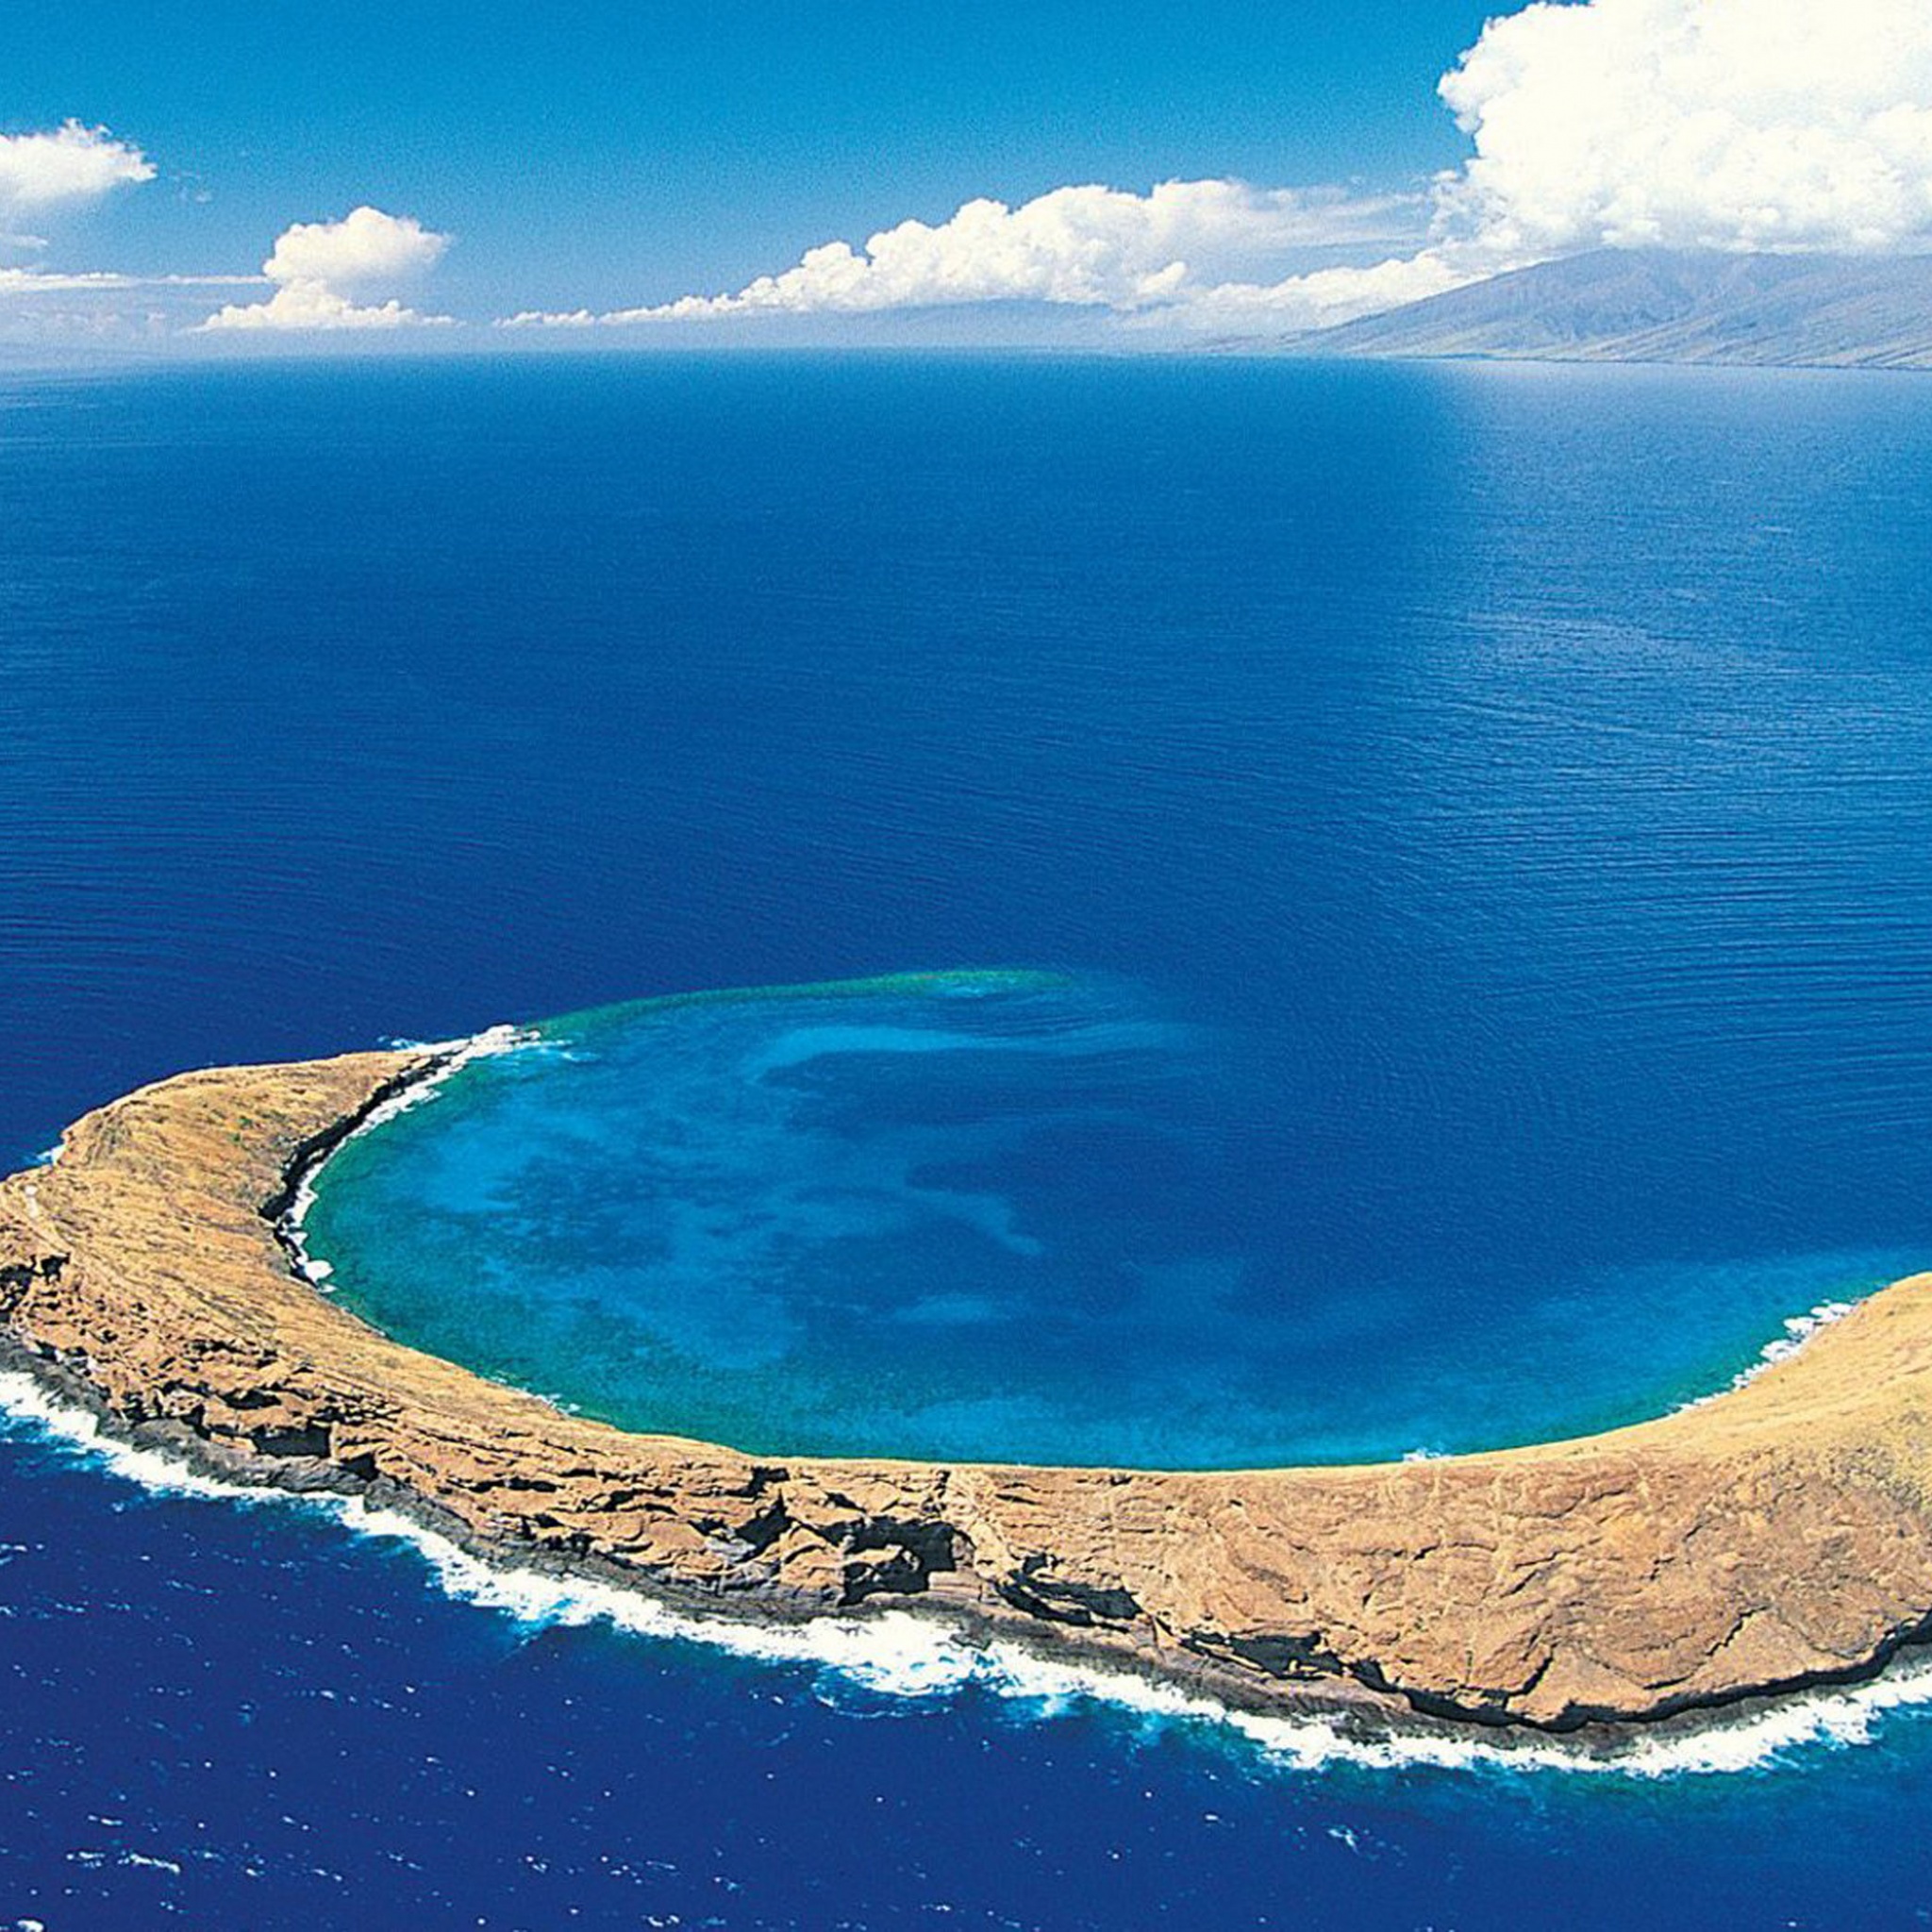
(1746, 126)
(1087, 246)
(1737, 127)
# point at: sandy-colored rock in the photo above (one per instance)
(1779, 1536)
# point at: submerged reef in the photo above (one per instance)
(1775, 1538)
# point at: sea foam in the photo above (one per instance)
(900, 1655)
(1798, 1330)
(455, 1056)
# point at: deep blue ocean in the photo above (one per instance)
(1436, 868)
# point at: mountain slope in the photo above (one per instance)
(1628, 305)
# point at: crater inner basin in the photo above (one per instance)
(989, 1216)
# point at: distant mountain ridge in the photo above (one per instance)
(1634, 306)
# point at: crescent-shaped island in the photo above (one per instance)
(1773, 1538)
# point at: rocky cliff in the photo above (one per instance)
(1778, 1537)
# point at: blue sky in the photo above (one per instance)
(603, 155)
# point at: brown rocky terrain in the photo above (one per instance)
(1777, 1537)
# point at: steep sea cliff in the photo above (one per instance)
(1772, 1539)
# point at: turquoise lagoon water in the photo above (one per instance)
(984, 1215)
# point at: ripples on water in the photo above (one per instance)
(1522, 774)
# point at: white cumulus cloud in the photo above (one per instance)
(1740, 125)
(69, 166)
(327, 275)
(366, 248)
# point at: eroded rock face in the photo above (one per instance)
(1779, 1536)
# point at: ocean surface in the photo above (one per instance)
(1391, 909)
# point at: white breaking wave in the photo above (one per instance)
(484, 1045)
(1799, 1329)
(900, 1655)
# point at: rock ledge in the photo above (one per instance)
(1775, 1539)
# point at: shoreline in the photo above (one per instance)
(700, 1616)
(1772, 1539)
(530, 1585)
